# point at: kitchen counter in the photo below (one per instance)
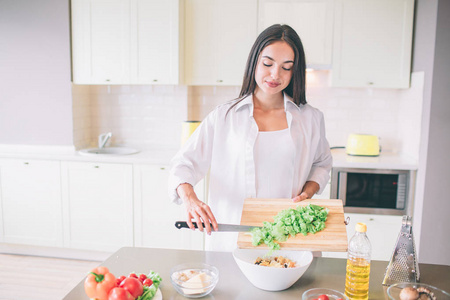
(386, 160)
(68, 153)
(323, 272)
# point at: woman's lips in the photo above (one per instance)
(272, 84)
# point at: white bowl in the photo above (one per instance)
(270, 278)
(195, 289)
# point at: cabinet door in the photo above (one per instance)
(155, 43)
(101, 41)
(218, 37)
(155, 214)
(97, 205)
(311, 19)
(30, 202)
(382, 232)
(372, 43)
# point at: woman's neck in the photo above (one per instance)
(265, 101)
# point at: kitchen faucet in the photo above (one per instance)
(103, 139)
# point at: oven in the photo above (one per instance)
(373, 191)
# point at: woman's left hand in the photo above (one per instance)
(309, 189)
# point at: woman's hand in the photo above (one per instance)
(309, 189)
(196, 209)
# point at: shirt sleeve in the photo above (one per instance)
(193, 160)
(323, 161)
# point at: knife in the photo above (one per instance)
(222, 227)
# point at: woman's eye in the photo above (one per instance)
(286, 69)
(267, 65)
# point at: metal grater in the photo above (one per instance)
(403, 266)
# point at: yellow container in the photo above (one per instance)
(363, 144)
(187, 129)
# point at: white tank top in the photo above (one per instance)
(274, 164)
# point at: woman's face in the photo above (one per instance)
(274, 68)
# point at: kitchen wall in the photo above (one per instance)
(35, 89)
(150, 117)
(431, 48)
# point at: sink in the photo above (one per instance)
(110, 151)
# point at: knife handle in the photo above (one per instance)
(183, 224)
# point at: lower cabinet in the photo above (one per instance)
(30, 202)
(97, 205)
(382, 232)
(155, 214)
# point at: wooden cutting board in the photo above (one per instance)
(332, 238)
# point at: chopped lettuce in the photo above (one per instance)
(150, 291)
(290, 222)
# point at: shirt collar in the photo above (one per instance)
(288, 103)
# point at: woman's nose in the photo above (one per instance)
(275, 73)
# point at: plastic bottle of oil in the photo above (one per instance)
(358, 264)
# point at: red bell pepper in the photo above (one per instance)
(99, 283)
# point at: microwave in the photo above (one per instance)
(373, 191)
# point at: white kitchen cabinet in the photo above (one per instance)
(372, 43)
(155, 215)
(30, 202)
(97, 205)
(382, 231)
(125, 41)
(311, 19)
(218, 37)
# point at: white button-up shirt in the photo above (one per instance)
(224, 145)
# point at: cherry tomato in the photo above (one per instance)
(133, 285)
(132, 275)
(323, 297)
(339, 299)
(148, 282)
(119, 293)
(142, 277)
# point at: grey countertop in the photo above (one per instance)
(323, 272)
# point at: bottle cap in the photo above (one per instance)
(361, 227)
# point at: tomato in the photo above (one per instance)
(339, 299)
(133, 285)
(323, 297)
(142, 277)
(132, 275)
(119, 293)
(148, 282)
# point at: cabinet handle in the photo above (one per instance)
(162, 168)
(155, 80)
(370, 83)
(96, 167)
(219, 80)
(26, 163)
(108, 80)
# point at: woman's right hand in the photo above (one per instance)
(196, 209)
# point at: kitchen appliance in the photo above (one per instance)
(222, 227)
(333, 238)
(373, 191)
(187, 129)
(363, 145)
(403, 266)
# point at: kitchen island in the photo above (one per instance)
(323, 272)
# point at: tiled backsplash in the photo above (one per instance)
(151, 116)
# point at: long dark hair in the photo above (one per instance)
(275, 33)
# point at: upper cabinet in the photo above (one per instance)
(372, 43)
(311, 19)
(125, 41)
(218, 37)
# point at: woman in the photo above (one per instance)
(268, 143)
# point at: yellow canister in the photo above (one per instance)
(363, 144)
(187, 129)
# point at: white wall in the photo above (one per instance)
(35, 88)
(435, 160)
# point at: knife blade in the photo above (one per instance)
(222, 227)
